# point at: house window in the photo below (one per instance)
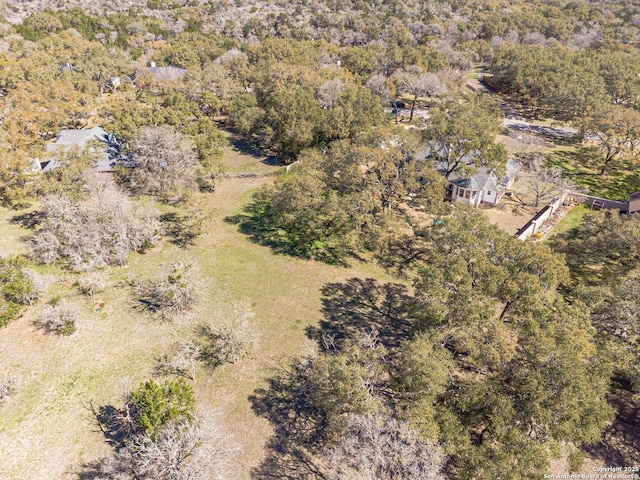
(489, 193)
(467, 193)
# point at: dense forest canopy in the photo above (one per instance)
(347, 22)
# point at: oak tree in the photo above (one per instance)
(460, 137)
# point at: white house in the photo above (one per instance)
(484, 187)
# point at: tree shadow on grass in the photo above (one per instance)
(91, 470)
(299, 426)
(179, 233)
(243, 147)
(252, 224)
(620, 443)
(114, 424)
(583, 164)
(365, 305)
(112, 467)
(557, 135)
(28, 220)
(401, 255)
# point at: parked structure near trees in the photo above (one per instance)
(483, 187)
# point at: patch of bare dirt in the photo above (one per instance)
(507, 218)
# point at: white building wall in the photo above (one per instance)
(460, 195)
(489, 196)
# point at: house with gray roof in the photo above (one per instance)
(634, 203)
(108, 148)
(483, 187)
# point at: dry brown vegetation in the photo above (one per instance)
(115, 347)
(95, 233)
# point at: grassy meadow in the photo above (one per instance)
(47, 430)
(579, 165)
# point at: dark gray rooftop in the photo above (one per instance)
(109, 148)
(485, 179)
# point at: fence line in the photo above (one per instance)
(250, 175)
(598, 202)
(536, 222)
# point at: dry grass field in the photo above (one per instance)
(10, 235)
(47, 430)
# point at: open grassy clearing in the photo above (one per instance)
(47, 431)
(617, 184)
(572, 220)
(10, 235)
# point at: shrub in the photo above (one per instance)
(39, 286)
(231, 340)
(15, 286)
(95, 233)
(59, 318)
(155, 406)
(92, 283)
(182, 360)
(173, 294)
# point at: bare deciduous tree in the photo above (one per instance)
(329, 92)
(165, 164)
(379, 447)
(195, 449)
(230, 340)
(95, 233)
(414, 82)
(526, 143)
(379, 85)
(539, 184)
(175, 293)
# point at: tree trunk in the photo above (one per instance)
(504, 310)
(413, 106)
(607, 161)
